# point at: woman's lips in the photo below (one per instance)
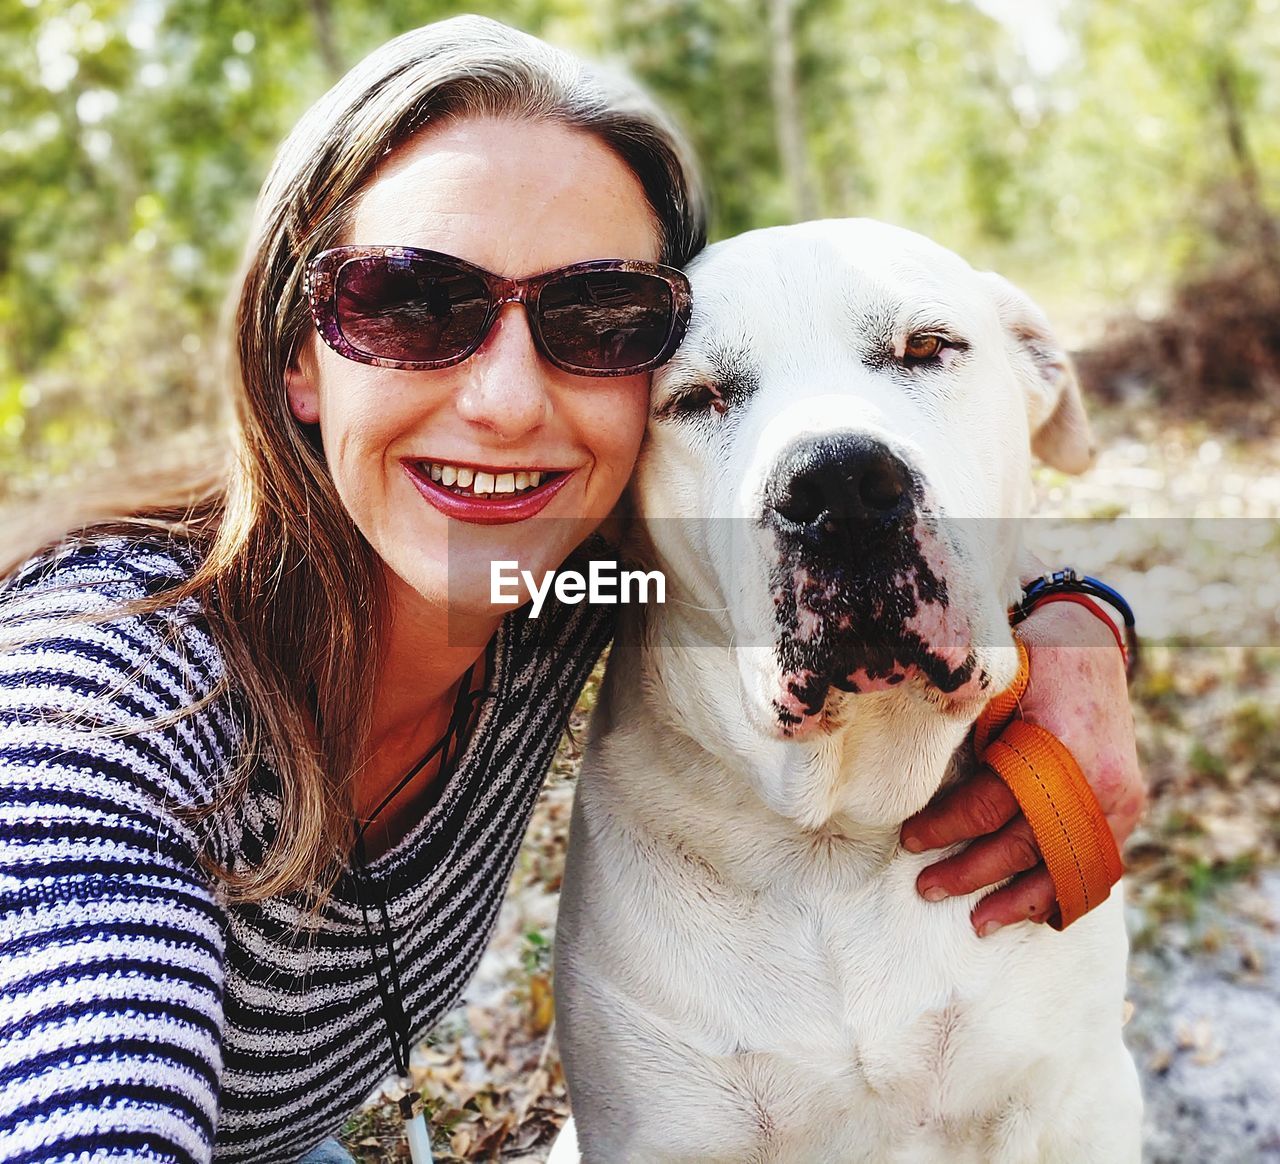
(485, 509)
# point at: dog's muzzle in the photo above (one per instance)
(859, 587)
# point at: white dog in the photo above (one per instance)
(744, 969)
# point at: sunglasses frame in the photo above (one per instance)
(321, 286)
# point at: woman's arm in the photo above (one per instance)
(111, 940)
(1078, 691)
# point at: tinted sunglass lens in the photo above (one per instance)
(606, 320)
(410, 309)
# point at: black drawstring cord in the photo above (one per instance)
(387, 997)
(390, 990)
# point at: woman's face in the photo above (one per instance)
(516, 198)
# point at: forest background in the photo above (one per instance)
(1119, 159)
(1099, 152)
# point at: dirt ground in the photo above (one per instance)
(1183, 517)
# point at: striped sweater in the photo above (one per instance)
(141, 1017)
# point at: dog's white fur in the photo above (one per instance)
(745, 971)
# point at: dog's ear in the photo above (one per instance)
(1060, 432)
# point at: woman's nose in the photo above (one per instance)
(507, 384)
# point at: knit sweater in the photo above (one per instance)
(142, 1018)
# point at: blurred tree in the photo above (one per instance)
(793, 148)
(1149, 109)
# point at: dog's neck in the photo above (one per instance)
(848, 788)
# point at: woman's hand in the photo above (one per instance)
(1077, 691)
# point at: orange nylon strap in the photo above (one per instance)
(1077, 844)
(1000, 711)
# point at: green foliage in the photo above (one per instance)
(1205, 764)
(137, 132)
(1255, 738)
(535, 955)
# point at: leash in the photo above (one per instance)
(1075, 840)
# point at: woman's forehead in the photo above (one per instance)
(512, 188)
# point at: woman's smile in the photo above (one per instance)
(486, 495)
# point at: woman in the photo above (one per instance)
(201, 953)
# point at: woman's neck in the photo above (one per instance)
(427, 652)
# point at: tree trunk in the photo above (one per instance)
(788, 124)
(1246, 163)
(322, 12)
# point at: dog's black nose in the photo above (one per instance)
(838, 488)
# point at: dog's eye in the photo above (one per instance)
(923, 346)
(692, 400)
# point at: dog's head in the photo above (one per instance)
(837, 458)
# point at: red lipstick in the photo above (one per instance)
(490, 509)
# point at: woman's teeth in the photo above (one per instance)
(477, 482)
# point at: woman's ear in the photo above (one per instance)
(1060, 432)
(300, 385)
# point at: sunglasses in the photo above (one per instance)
(402, 307)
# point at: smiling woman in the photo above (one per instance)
(268, 762)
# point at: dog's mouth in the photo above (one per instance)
(806, 692)
(846, 628)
